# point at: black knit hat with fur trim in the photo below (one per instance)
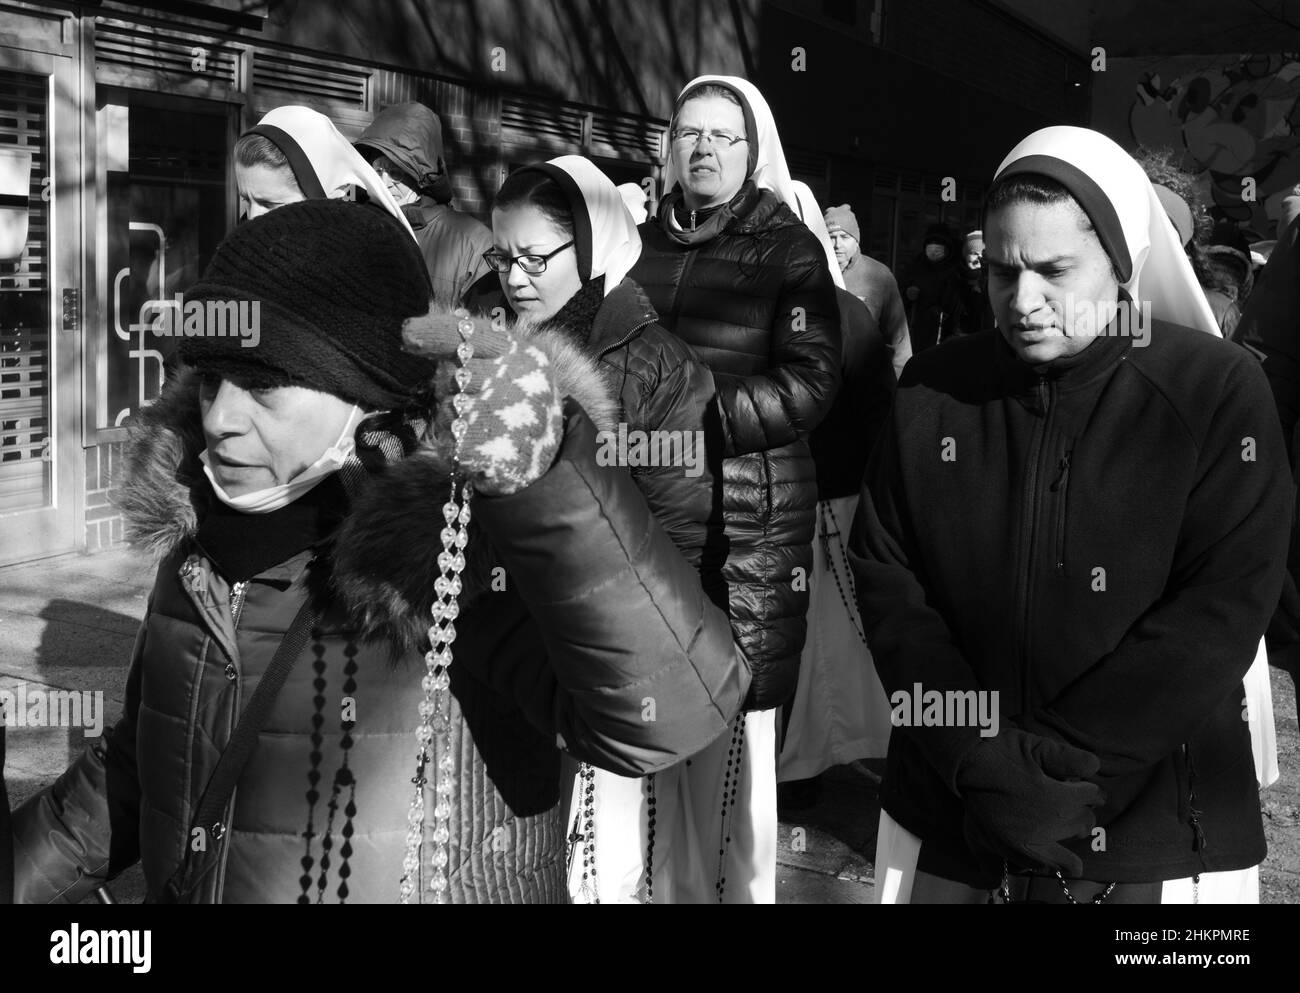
(327, 285)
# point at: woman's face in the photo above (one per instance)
(1050, 282)
(263, 188)
(527, 231)
(711, 171)
(262, 438)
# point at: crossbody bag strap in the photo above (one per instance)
(244, 739)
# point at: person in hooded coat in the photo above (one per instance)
(404, 145)
(839, 712)
(934, 289)
(734, 273)
(1075, 522)
(453, 644)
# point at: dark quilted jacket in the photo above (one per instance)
(597, 613)
(757, 305)
(661, 386)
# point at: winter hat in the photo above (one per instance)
(1179, 211)
(843, 217)
(940, 234)
(327, 284)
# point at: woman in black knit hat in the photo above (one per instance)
(465, 590)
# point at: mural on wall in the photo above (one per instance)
(1235, 120)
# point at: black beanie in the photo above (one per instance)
(332, 281)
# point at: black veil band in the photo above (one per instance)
(308, 181)
(1090, 197)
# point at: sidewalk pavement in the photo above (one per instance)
(69, 623)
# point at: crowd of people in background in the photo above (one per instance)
(572, 679)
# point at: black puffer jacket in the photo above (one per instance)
(757, 304)
(659, 386)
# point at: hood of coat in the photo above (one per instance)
(383, 555)
(410, 134)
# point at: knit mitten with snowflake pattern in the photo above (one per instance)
(512, 407)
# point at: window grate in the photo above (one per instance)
(136, 48)
(307, 80)
(24, 308)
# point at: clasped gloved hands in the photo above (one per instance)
(1023, 796)
(512, 406)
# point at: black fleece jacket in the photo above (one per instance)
(1102, 542)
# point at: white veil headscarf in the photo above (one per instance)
(634, 198)
(323, 161)
(1127, 215)
(607, 242)
(811, 214)
(1137, 234)
(769, 170)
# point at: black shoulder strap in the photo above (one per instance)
(244, 739)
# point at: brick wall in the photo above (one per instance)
(103, 522)
(471, 131)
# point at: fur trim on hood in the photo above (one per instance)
(384, 554)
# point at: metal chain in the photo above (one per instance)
(1004, 889)
(435, 707)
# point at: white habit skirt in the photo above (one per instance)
(690, 829)
(840, 711)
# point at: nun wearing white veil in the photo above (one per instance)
(1077, 520)
(295, 153)
(564, 242)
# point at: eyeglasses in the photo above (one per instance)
(693, 136)
(533, 265)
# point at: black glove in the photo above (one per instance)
(1022, 798)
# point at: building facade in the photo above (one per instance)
(117, 123)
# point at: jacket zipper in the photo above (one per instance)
(625, 339)
(1025, 586)
(1061, 486)
(692, 220)
(678, 290)
(1199, 843)
(238, 593)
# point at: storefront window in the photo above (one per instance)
(166, 208)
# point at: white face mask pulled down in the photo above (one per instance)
(282, 494)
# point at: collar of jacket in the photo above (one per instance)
(1067, 374)
(625, 309)
(383, 554)
(749, 206)
(422, 212)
